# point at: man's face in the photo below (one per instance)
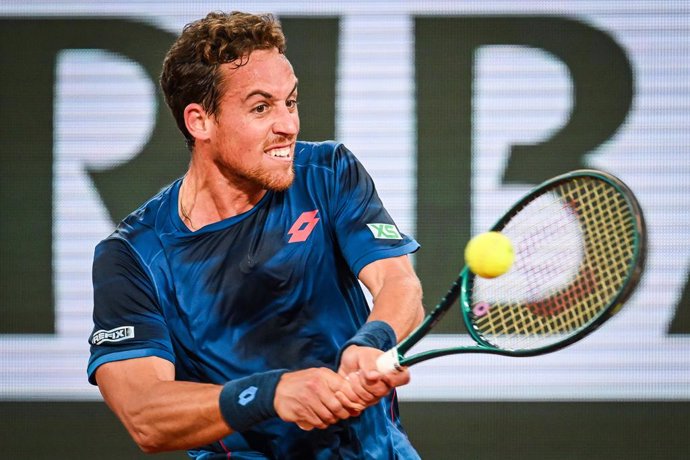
(254, 133)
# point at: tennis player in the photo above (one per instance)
(228, 315)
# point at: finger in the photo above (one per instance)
(308, 417)
(336, 407)
(363, 392)
(397, 379)
(372, 376)
(374, 383)
(329, 409)
(350, 400)
(331, 402)
(325, 413)
(351, 407)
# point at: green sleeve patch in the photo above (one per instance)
(385, 231)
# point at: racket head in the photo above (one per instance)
(580, 249)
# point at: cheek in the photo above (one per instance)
(238, 135)
(248, 130)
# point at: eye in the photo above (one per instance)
(261, 108)
(291, 103)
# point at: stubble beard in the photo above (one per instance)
(271, 180)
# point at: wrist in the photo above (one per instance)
(247, 401)
(374, 334)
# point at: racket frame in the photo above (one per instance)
(462, 288)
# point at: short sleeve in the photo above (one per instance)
(128, 322)
(364, 229)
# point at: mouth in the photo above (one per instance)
(283, 152)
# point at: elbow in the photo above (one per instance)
(147, 441)
(145, 434)
(148, 446)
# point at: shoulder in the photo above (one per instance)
(140, 231)
(326, 154)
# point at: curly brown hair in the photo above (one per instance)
(191, 69)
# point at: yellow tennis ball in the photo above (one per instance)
(489, 254)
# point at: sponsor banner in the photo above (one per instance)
(455, 108)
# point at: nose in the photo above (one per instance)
(286, 123)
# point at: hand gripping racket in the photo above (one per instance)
(580, 247)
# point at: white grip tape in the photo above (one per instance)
(389, 362)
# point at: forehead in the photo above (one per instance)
(267, 70)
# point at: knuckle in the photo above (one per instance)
(312, 384)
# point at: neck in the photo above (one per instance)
(206, 198)
(187, 205)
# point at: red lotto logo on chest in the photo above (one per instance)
(303, 226)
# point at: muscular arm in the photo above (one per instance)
(397, 295)
(162, 414)
(159, 412)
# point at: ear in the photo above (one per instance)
(197, 121)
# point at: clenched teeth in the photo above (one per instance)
(281, 153)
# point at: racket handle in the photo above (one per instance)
(389, 362)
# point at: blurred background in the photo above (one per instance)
(456, 108)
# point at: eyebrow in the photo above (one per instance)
(267, 95)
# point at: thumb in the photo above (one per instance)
(371, 376)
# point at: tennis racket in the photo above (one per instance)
(580, 247)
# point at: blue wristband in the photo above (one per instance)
(247, 401)
(375, 334)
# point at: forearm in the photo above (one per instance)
(163, 414)
(397, 295)
(399, 303)
(311, 398)
(397, 306)
(172, 415)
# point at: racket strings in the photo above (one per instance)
(574, 247)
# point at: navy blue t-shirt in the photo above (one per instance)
(274, 287)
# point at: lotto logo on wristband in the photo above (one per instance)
(247, 395)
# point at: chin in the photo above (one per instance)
(279, 182)
(280, 186)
